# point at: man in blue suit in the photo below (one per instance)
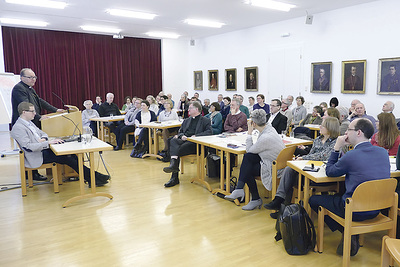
(364, 163)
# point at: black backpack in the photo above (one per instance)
(296, 229)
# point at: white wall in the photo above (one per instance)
(367, 31)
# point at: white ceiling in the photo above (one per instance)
(171, 13)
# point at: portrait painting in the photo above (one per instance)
(353, 76)
(251, 79)
(230, 77)
(198, 80)
(213, 80)
(389, 76)
(321, 73)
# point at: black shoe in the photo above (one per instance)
(38, 177)
(173, 181)
(354, 246)
(275, 204)
(274, 215)
(173, 167)
(98, 184)
(117, 148)
(101, 178)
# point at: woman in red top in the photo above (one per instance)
(388, 135)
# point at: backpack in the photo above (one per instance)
(296, 229)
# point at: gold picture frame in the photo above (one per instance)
(213, 80)
(321, 77)
(198, 80)
(251, 79)
(353, 76)
(389, 76)
(230, 80)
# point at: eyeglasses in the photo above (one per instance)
(33, 111)
(349, 129)
(31, 77)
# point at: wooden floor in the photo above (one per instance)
(145, 224)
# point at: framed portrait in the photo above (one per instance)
(353, 76)
(251, 79)
(230, 77)
(198, 80)
(389, 76)
(213, 80)
(321, 73)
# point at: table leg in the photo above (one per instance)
(307, 194)
(100, 130)
(152, 152)
(200, 168)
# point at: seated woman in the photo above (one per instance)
(215, 117)
(144, 116)
(183, 107)
(312, 118)
(236, 121)
(321, 150)
(168, 115)
(89, 113)
(388, 134)
(258, 159)
(128, 104)
(300, 112)
(227, 107)
(153, 103)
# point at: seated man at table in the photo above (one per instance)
(361, 113)
(195, 125)
(275, 118)
(364, 163)
(236, 121)
(87, 114)
(109, 108)
(35, 144)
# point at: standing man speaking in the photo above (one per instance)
(24, 92)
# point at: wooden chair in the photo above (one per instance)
(390, 251)
(55, 170)
(368, 196)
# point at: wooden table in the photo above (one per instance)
(313, 127)
(317, 177)
(220, 143)
(100, 123)
(153, 126)
(79, 148)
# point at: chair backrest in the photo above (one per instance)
(285, 155)
(374, 195)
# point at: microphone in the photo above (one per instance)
(61, 100)
(76, 128)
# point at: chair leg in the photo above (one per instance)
(23, 182)
(320, 235)
(384, 254)
(182, 165)
(346, 248)
(30, 179)
(361, 240)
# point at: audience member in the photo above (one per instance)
(352, 109)
(334, 102)
(183, 106)
(153, 105)
(285, 110)
(170, 98)
(227, 107)
(206, 106)
(196, 95)
(168, 114)
(242, 107)
(323, 105)
(332, 112)
(275, 118)
(88, 114)
(215, 117)
(313, 118)
(251, 104)
(129, 124)
(179, 146)
(321, 150)
(258, 159)
(221, 101)
(388, 107)
(364, 163)
(344, 122)
(388, 135)
(300, 112)
(236, 121)
(260, 103)
(161, 106)
(35, 144)
(290, 98)
(98, 103)
(128, 103)
(109, 108)
(360, 113)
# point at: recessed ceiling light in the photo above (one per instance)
(100, 29)
(130, 14)
(270, 4)
(41, 3)
(163, 35)
(23, 22)
(204, 23)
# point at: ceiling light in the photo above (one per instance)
(163, 35)
(41, 3)
(23, 22)
(270, 4)
(100, 29)
(130, 14)
(204, 23)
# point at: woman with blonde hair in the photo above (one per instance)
(153, 104)
(388, 134)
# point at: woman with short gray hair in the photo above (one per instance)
(258, 159)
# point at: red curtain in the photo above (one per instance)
(78, 66)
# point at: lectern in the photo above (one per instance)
(63, 124)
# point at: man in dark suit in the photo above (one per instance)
(275, 118)
(364, 163)
(24, 92)
(195, 125)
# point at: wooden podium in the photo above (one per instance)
(60, 124)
